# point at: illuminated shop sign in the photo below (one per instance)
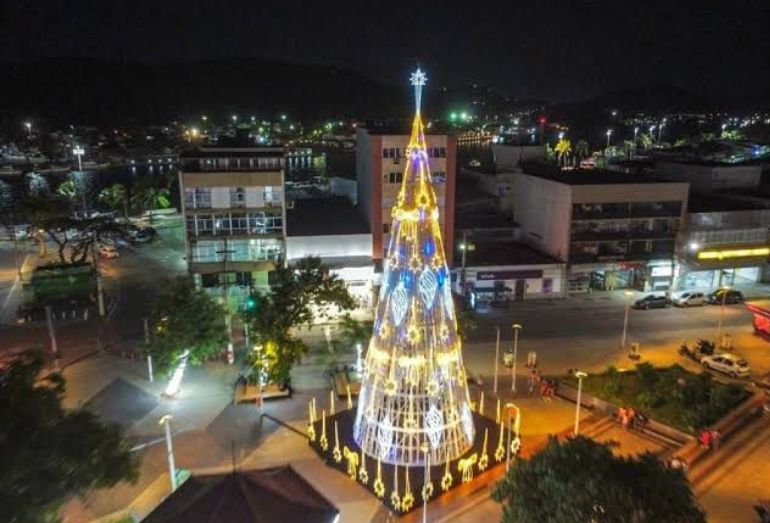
(727, 254)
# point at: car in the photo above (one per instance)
(727, 363)
(144, 235)
(689, 299)
(652, 301)
(730, 297)
(108, 252)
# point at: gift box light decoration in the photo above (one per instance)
(413, 388)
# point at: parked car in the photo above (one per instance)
(652, 301)
(731, 297)
(108, 251)
(689, 299)
(729, 364)
(144, 235)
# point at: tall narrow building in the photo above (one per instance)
(414, 395)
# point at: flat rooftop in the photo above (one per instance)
(324, 217)
(505, 253)
(599, 177)
(402, 128)
(232, 152)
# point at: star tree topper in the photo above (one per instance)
(418, 79)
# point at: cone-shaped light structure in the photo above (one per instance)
(414, 388)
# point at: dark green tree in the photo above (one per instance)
(48, 453)
(580, 480)
(298, 293)
(185, 319)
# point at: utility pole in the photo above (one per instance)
(99, 286)
(580, 375)
(226, 290)
(52, 335)
(146, 326)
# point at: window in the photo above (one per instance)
(438, 177)
(272, 195)
(442, 152)
(394, 177)
(205, 224)
(222, 224)
(263, 223)
(240, 223)
(386, 228)
(202, 198)
(208, 252)
(391, 152)
(189, 199)
(237, 197)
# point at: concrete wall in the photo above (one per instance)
(707, 178)
(510, 157)
(336, 246)
(543, 210)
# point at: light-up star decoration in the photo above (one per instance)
(418, 80)
(414, 393)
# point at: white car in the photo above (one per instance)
(689, 299)
(729, 364)
(108, 251)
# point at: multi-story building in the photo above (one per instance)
(724, 242)
(380, 157)
(612, 230)
(233, 204)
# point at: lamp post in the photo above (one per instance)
(724, 126)
(516, 329)
(609, 135)
(79, 152)
(580, 375)
(660, 129)
(625, 320)
(724, 289)
(636, 132)
(166, 420)
(497, 356)
(426, 450)
(561, 135)
(28, 126)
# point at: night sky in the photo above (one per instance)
(528, 49)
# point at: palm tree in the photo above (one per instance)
(645, 140)
(150, 197)
(563, 148)
(115, 198)
(582, 150)
(629, 146)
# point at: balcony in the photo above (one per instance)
(617, 214)
(590, 236)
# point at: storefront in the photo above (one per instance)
(711, 268)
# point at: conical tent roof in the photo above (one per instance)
(414, 395)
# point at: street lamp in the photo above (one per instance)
(516, 328)
(579, 375)
(235, 118)
(79, 152)
(28, 125)
(660, 130)
(625, 320)
(724, 290)
(609, 134)
(636, 132)
(166, 420)
(561, 135)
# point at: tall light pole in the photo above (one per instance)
(724, 289)
(497, 356)
(636, 133)
(79, 152)
(580, 375)
(28, 126)
(516, 329)
(625, 320)
(166, 420)
(609, 135)
(660, 129)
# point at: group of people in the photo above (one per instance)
(709, 438)
(629, 417)
(546, 387)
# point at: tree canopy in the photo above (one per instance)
(48, 453)
(185, 319)
(581, 481)
(297, 293)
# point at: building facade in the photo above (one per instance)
(380, 159)
(723, 247)
(612, 230)
(234, 212)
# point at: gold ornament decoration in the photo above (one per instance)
(336, 454)
(407, 501)
(465, 466)
(363, 475)
(500, 451)
(446, 479)
(324, 441)
(484, 459)
(379, 486)
(352, 460)
(395, 499)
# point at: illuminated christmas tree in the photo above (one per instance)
(414, 389)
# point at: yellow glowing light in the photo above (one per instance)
(446, 479)
(324, 441)
(331, 403)
(395, 499)
(481, 403)
(734, 253)
(484, 459)
(500, 451)
(363, 475)
(336, 452)
(465, 466)
(427, 491)
(352, 460)
(350, 398)
(407, 501)
(379, 486)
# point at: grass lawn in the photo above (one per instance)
(669, 395)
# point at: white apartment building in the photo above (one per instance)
(235, 215)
